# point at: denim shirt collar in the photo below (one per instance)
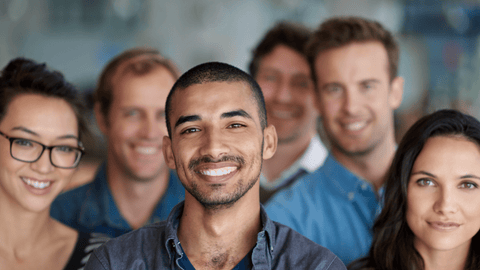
(345, 181)
(172, 243)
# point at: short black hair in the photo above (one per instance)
(216, 72)
(293, 35)
(25, 76)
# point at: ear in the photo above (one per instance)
(269, 141)
(101, 120)
(396, 92)
(168, 153)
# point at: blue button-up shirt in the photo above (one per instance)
(157, 247)
(333, 207)
(91, 208)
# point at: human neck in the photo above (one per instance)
(136, 200)
(372, 166)
(285, 155)
(442, 260)
(21, 230)
(221, 238)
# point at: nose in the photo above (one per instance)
(445, 202)
(351, 102)
(151, 128)
(283, 93)
(43, 164)
(213, 144)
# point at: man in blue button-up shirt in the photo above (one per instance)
(355, 71)
(218, 139)
(135, 186)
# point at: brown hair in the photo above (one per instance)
(138, 61)
(341, 31)
(393, 240)
(24, 76)
(292, 35)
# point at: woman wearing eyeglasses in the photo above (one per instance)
(40, 131)
(431, 217)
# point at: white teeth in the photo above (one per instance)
(36, 184)
(218, 172)
(146, 150)
(356, 126)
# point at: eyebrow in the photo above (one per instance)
(461, 177)
(188, 118)
(195, 117)
(370, 81)
(231, 114)
(26, 130)
(470, 176)
(424, 172)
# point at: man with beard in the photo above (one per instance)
(280, 67)
(218, 138)
(135, 186)
(354, 62)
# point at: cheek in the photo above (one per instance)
(267, 91)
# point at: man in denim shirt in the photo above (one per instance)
(218, 138)
(280, 67)
(135, 186)
(354, 62)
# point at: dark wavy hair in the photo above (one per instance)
(24, 76)
(293, 35)
(392, 247)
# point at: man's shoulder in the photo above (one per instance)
(72, 198)
(308, 186)
(298, 252)
(133, 245)
(142, 247)
(144, 236)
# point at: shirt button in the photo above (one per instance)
(351, 195)
(364, 186)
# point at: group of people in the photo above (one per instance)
(192, 159)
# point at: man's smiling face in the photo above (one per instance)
(217, 143)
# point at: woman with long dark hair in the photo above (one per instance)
(431, 214)
(41, 126)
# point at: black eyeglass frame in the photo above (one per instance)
(80, 148)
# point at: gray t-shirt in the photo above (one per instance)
(157, 246)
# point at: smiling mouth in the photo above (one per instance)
(36, 184)
(218, 172)
(355, 126)
(146, 150)
(444, 225)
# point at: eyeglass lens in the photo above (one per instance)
(60, 155)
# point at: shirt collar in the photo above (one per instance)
(100, 207)
(311, 160)
(173, 221)
(345, 181)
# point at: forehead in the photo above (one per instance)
(149, 90)
(285, 59)
(358, 60)
(43, 114)
(210, 100)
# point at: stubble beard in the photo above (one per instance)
(223, 202)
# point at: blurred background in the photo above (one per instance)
(440, 56)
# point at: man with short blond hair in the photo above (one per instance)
(135, 186)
